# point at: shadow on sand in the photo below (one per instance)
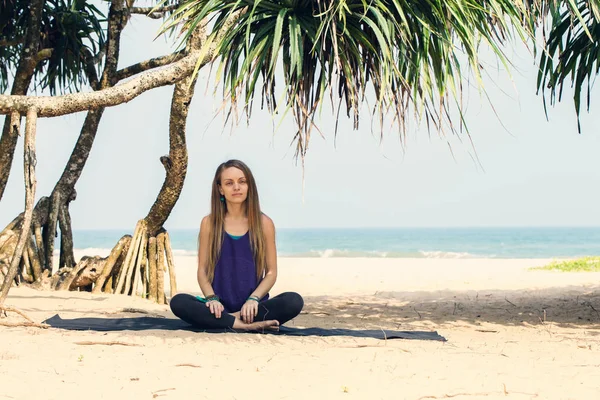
(573, 307)
(569, 307)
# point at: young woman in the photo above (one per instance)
(237, 261)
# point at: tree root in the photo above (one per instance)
(129, 262)
(136, 260)
(171, 265)
(136, 265)
(70, 273)
(160, 269)
(109, 266)
(88, 274)
(33, 256)
(146, 262)
(152, 269)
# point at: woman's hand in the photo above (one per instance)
(249, 311)
(215, 307)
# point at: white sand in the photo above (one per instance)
(512, 333)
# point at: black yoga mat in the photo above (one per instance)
(172, 324)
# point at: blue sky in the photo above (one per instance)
(531, 172)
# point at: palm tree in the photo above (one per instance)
(53, 211)
(51, 43)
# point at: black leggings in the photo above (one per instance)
(282, 308)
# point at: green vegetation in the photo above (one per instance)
(585, 264)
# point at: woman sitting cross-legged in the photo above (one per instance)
(237, 261)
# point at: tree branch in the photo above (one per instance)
(116, 23)
(24, 324)
(42, 55)
(154, 13)
(71, 103)
(11, 42)
(148, 64)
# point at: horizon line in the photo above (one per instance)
(386, 227)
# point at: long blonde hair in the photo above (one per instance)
(218, 209)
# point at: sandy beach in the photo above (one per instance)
(511, 333)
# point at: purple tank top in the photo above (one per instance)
(235, 273)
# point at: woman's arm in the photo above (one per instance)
(271, 268)
(203, 250)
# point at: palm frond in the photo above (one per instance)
(405, 51)
(13, 23)
(69, 27)
(571, 54)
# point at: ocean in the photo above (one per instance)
(395, 242)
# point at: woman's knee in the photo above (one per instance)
(294, 301)
(178, 302)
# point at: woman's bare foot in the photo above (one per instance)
(256, 326)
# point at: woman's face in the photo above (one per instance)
(234, 186)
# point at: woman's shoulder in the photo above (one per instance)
(205, 223)
(267, 222)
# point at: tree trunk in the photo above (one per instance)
(67, 257)
(29, 162)
(64, 190)
(176, 168)
(71, 276)
(23, 77)
(56, 208)
(176, 163)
